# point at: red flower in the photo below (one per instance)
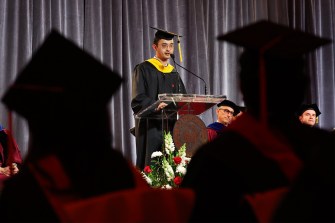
(177, 160)
(147, 169)
(177, 180)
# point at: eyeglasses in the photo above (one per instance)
(226, 111)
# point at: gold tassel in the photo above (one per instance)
(179, 48)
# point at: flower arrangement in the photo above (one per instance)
(168, 167)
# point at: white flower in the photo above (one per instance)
(166, 186)
(156, 154)
(168, 170)
(186, 160)
(169, 145)
(167, 150)
(147, 179)
(181, 169)
(182, 151)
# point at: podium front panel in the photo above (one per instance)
(191, 130)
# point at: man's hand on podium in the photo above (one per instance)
(161, 106)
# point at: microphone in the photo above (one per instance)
(172, 56)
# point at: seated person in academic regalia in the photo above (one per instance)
(308, 114)
(63, 93)
(260, 155)
(225, 112)
(10, 155)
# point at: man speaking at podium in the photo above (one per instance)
(150, 78)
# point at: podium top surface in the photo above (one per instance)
(215, 99)
(181, 104)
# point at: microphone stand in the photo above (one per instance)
(172, 56)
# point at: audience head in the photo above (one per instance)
(288, 71)
(63, 93)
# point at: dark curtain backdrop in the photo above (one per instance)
(117, 33)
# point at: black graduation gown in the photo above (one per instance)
(147, 83)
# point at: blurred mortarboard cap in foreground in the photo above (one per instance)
(231, 105)
(305, 107)
(275, 39)
(269, 39)
(59, 70)
(163, 34)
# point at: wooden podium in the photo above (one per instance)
(189, 128)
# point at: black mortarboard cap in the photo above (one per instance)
(163, 34)
(230, 104)
(274, 40)
(279, 40)
(305, 107)
(60, 70)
